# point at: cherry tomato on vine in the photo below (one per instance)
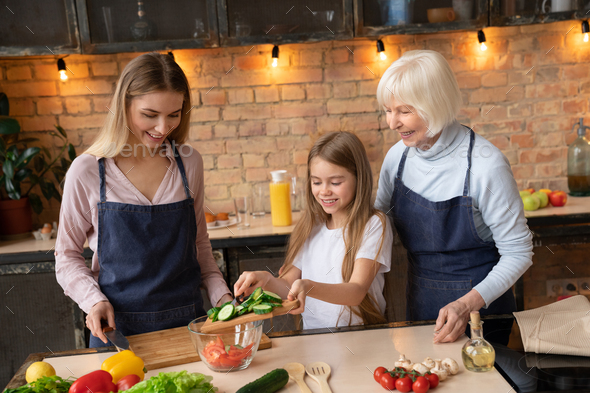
(387, 381)
(421, 385)
(404, 384)
(433, 379)
(377, 373)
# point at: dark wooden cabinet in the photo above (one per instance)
(384, 17)
(521, 12)
(276, 22)
(33, 27)
(113, 26)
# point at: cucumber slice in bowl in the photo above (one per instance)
(226, 313)
(262, 309)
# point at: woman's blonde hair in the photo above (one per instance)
(424, 80)
(148, 73)
(343, 149)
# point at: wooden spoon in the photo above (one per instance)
(320, 372)
(297, 372)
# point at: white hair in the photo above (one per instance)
(424, 80)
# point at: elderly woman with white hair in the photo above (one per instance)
(453, 200)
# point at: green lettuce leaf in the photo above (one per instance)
(175, 382)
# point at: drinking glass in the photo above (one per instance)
(242, 205)
(258, 199)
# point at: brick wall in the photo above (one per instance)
(523, 94)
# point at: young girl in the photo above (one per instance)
(341, 247)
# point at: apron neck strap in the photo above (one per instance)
(471, 143)
(402, 163)
(187, 190)
(103, 194)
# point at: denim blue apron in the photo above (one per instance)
(446, 256)
(148, 262)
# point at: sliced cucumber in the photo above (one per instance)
(227, 312)
(214, 315)
(273, 305)
(212, 311)
(262, 309)
(257, 293)
(273, 297)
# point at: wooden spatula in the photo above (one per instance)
(320, 372)
(213, 327)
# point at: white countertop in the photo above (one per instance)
(352, 356)
(574, 205)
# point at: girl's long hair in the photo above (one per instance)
(343, 149)
(148, 73)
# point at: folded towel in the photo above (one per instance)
(558, 328)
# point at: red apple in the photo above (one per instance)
(558, 198)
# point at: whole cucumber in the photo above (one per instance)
(268, 383)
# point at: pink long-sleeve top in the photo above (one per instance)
(79, 221)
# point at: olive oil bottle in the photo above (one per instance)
(478, 354)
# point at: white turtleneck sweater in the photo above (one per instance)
(438, 174)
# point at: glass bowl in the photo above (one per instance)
(231, 349)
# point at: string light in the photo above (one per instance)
(381, 50)
(275, 56)
(61, 68)
(481, 37)
(585, 30)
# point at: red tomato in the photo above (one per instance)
(127, 382)
(403, 384)
(387, 381)
(421, 385)
(377, 373)
(433, 379)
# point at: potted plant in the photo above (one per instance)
(15, 160)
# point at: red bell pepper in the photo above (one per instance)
(96, 381)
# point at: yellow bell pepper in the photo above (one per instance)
(122, 364)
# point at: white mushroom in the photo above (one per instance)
(439, 370)
(428, 362)
(403, 362)
(421, 368)
(451, 365)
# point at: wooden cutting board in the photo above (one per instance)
(214, 327)
(171, 347)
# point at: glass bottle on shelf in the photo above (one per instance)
(478, 355)
(142, 29)
(578, 163)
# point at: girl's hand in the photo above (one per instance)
(100, 311)
(298, 291)
(249, 281)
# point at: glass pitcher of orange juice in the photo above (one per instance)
(280, 198)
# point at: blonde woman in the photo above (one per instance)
(137, 196)
(454, 202)
(340, 249)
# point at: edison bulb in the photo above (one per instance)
(62, 75)
(483, 46)
(275, 62)
(585, 37)
(383, 55)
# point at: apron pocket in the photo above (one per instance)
(425, 297)
(143, 322)
(464, 285)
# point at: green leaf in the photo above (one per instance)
(13, 189)
(46, 190)
(54, 193)
(38, 163)
(59, 173)
(9, 125)
(8, 169)
(27, 140)
(26, 156)
(22, 174)
(61, 131)
(36, 203)
(65, 164)
(71, 152)
(47, 152)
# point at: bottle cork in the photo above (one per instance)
(475, 319)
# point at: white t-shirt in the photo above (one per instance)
(320, 259)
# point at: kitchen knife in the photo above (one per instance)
(116, 338)
(237, 300)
